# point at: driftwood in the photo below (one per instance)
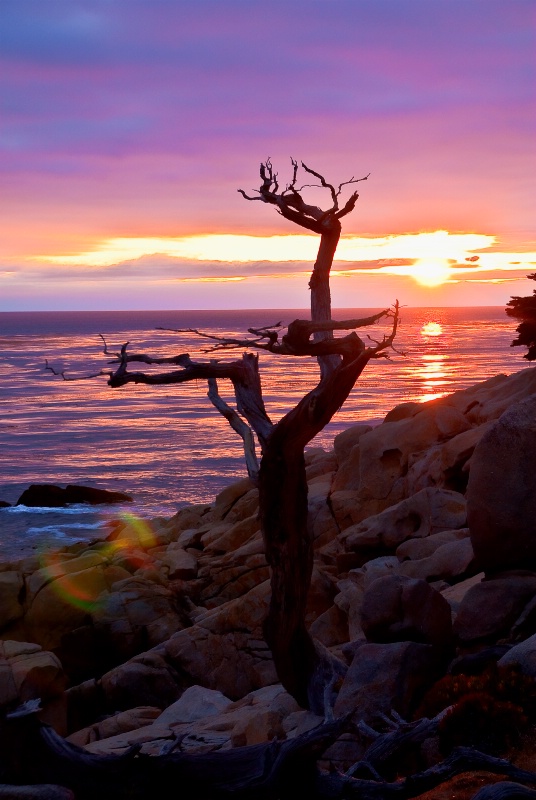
(32, 753)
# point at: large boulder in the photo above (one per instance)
(386, 677)
(386, 451)
(27, 672)
(423, 514)
(400, 609)
(492, 606)
(225, 650)
(501, 493)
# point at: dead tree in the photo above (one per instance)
(34, 755)
(303, 668)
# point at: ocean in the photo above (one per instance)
(167, 446)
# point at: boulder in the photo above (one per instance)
(27, 672)
(346, 446)
(225, 650)
(452, 560)
(501, 493)
(445, 464)
(48, 495)
(122, 722)
(423, 514)
(400, 609)
(489, 399)
(416, 549)
(523, 656)
(345, 441)
(491, 607)
(64, 603)
(145, 680)
(11, 584)
(385, 677)
(386, 450)
(196, 703)
(136, 615)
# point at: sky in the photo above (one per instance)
(127, 127)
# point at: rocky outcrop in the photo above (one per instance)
(424, 538)
(501, 493)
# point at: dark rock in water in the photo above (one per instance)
(48, 495)
(4, 504)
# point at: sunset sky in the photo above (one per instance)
(127, 126)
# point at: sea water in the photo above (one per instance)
(167, 446)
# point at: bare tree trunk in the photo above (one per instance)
(321, 293)
(289, 551)
(284, 506)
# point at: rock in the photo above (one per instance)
(38, 791)
(447, 464)
(346, 446)
(345, 441)
(501, 493)
(47, 495)
(63, 604)
(348, 601)
(383, 677)
(135, 616)
(11, 584)
(221, 540)
(479, 662)
(523, 656)
(385, 452)
(396, 608)
(375, 568)
(451, 560)
(489, 399)
(491, 607)
(27, 672)
(416, 549)
(4, 504)
(455, 594)
(429, 511)
(122, 722)
(225, 650)
(196, 703)
(145, 680)
(228, 498)
(177, 564)
(331, 627)
(324, 464)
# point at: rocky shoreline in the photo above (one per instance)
(425, 569)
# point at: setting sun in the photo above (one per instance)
(431, 271)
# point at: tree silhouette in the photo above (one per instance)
(524, 308)
(305, 669)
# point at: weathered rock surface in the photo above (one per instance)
(383, 677)
(400, 609)
(501, 493)
(154, 636)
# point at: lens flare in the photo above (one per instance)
(81, 588)
(78, 589)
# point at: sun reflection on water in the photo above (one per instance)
(433, 371)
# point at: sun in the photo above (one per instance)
(431, 271)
